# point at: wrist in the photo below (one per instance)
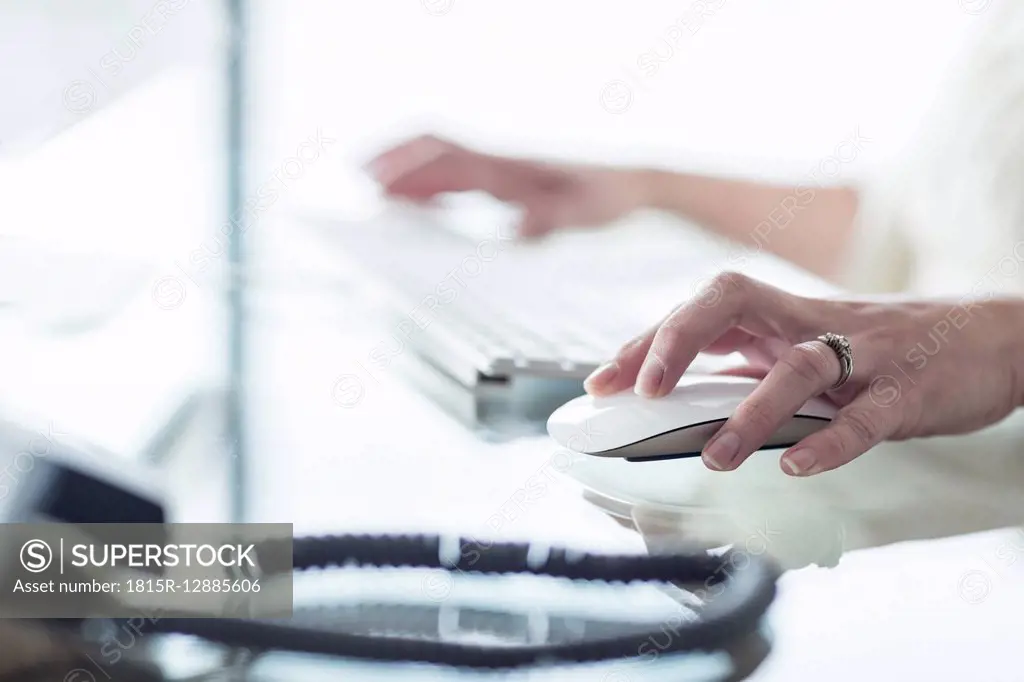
(674, 192)
(654, 188)
(1014, 324)
(999, 337)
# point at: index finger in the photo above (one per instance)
(741, 302)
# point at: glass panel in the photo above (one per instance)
(112, 168)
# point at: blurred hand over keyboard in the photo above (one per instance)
(553, 196)
(920, 368)
(818, 222)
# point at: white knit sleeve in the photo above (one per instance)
(948, 217)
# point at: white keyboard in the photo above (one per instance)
(554, 309)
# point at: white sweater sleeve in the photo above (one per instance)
(948, 218)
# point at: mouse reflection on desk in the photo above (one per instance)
(677, 425)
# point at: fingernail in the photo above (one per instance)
(649, 380)
(601, 376)
(799, 462)
(719, 452)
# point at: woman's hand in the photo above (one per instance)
(553, 196)
(921, 368)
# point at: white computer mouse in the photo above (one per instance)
(678, 425)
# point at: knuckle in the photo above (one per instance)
(809, 362)
(832, 446)
(625, 353)
(631, 347)
(667, 338)
(433, 141)
(757, 417)
(677, 317)
(736, 283)
(864, 425)
(674, 322)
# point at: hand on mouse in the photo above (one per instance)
(920, 368)
(553, 196)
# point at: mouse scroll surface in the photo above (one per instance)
(678, 425)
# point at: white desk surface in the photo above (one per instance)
(937, 610)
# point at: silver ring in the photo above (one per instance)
(840, 345)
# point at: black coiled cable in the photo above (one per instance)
(735, 612)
